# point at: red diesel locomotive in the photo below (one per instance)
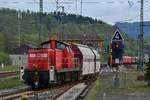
(59, 62)
(126, 60)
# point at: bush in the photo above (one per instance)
(4, 58)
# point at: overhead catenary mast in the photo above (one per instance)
(141, 37)
(57, 4)
(40, 20)
(76, 6)
(19, 28)
(81, 7)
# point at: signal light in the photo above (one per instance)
(117, 45)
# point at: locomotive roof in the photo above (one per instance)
(46, 42)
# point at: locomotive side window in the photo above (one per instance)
(46, 45)
(61, 46)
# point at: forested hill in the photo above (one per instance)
(69, 24)
(51, 23)
(133, 29)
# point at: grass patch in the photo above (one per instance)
(128, 84)
(94, 91)
(9, 68)
(132, 84)
(10, 82)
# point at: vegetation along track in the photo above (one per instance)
(7, 74)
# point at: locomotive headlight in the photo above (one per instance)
(36, 83)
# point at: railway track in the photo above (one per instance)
(48, 93)
(12, 91)
(52, 93)
(7, 74)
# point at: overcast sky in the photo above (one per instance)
(109, 11)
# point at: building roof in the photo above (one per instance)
(23, 49)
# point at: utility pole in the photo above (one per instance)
(57, 5)
(81, 7)
(76, 6)
(62, 19)
(19, 28)
(40, 17)
(141, 37)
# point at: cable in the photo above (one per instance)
(132, 19)
(70, 1)
(33, 1)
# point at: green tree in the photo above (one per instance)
(4, 58)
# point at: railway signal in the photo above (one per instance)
(117, 36)
(117, 48)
